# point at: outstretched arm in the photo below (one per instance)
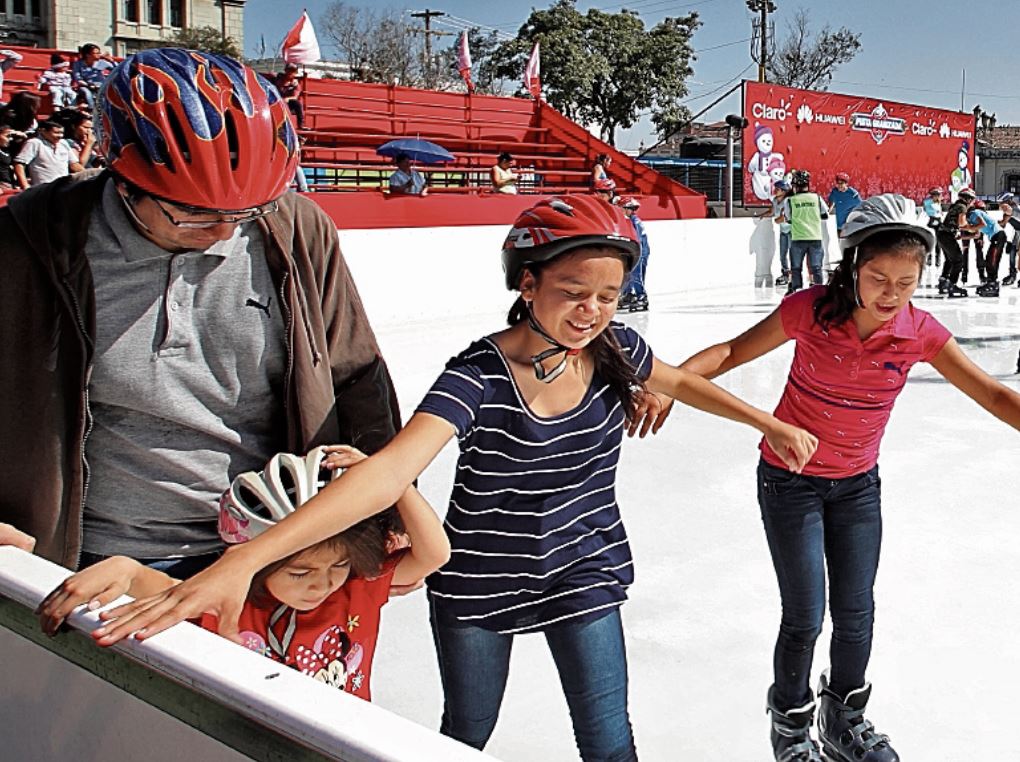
(961, 372)
(751, 344)
(794, 445)
(220, 590)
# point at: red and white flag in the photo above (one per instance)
(300, 46)
(532, 74)
(464, 61)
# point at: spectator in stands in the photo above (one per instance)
(21, 112)
(299, 173)
(89, 72)
(79, 137)
(44, 158)
(8, 182)
(598, 171)
(198, 317)
(56, 80)
(406, 180)
(504, 179)
(842, 199)
(289, 84)
(8, 60)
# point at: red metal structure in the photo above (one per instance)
(346, 121)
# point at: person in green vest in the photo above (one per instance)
(804, 211)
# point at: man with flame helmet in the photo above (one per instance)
(173, 321)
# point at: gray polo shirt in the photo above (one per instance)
(185, 387)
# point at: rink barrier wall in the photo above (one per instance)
(184, 694)
(410, 274)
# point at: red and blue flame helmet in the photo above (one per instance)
(197, 129)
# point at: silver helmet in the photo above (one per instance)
(888, 211)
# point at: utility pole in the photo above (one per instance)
(428, 15)
(762, 55)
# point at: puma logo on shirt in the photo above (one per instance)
(264, 307)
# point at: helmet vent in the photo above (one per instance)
(288, 484)
(254, 502)
(232, 141)
(180, 137)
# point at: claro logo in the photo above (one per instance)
(777, 113)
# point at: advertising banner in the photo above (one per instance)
(885, 147)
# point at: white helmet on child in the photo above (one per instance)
(255, 501)
(888, 211)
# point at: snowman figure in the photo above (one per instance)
(758, 167)
(960, 177)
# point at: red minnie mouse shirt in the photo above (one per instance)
(333, 643)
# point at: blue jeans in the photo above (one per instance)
(591, 660)
(636, 282)
(811, 522)
(178, 568)
(784, 249)
(813, 251)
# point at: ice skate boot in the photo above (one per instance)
(943, 285)
(1010, 279)
(845, 735)
(623, 305)
(784, 279)
(791, 732)
(638, 304)
(955, 291)
(990, 289)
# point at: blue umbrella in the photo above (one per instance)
(416, 150)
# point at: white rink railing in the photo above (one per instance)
(406, 274)
(186, 694)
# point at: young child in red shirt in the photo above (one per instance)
(317, 610)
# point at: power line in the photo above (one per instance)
(723, 45)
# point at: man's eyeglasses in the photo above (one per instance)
(191, 218)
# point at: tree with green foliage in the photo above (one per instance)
(207, 38)
(808, 62)
(605, 68)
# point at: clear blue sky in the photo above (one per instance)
(913, 51)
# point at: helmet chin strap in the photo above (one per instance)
(543, 375)
(857, 288)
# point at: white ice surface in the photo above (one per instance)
(704, 610)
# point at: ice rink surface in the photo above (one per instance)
(704, 610)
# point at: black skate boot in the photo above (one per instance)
(638, 304)
(955, 291)
(791, 732)
(845, 735)
(784, 279)
(991, 289)
(943, 285)
(1010, 279)
(623, 305)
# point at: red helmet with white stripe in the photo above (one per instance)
(561, 224)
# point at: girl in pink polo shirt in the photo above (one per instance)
(856, 339)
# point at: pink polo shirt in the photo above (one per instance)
(841, 389)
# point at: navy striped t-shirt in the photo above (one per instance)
(535, 531)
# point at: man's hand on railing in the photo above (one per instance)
(11, 536)
(219, 590)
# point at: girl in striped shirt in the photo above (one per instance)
(539, 411)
